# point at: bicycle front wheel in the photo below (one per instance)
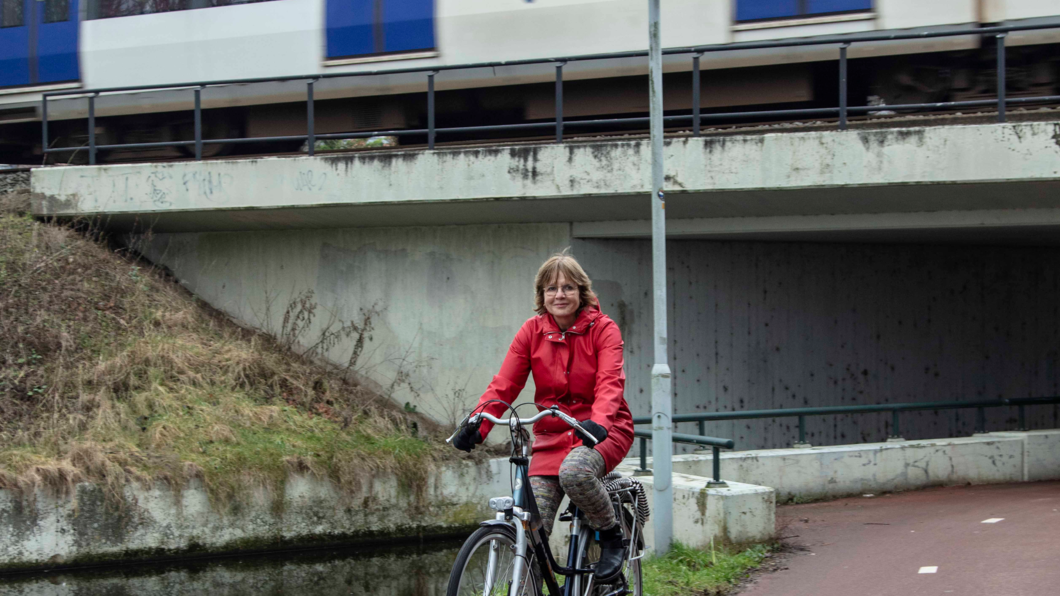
(485, 564)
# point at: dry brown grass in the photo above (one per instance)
(111, 373)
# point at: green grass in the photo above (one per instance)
(686, 571)
(111, 373)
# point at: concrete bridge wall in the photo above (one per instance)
(757, 325)
(754, 325)
(444, 244)
(1008, 174)
(449, 298)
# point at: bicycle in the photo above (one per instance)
(510, 555)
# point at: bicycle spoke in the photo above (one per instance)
(488, 567)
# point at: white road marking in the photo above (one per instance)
(992, 520)
(928, 570)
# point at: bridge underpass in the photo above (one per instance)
(824, 268)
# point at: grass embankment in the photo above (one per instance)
(111, 373)
(686, 571)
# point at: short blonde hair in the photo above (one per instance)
(550, 270)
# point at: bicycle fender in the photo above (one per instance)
(496, 522)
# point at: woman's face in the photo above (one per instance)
(561, 298)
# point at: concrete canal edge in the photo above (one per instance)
(159, 522)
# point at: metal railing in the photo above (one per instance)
(696, 118)
(714, 443)
(895, 409)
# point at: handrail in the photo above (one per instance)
(696, 118)
(709, 48)
(692, 439)
(895, 409)
(715, 444)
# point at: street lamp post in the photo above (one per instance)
(661, 400)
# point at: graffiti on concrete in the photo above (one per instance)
(310, 180)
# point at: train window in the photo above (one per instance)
(760, 10)
(357, 28)
(11, 13)
(231, 2)
(56, 11)
(105, 9)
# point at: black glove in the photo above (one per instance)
(593, 429)
(468, 437)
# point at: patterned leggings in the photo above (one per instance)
(579, 477)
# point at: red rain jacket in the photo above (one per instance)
(581, 370)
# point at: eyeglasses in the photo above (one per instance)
(566, 289)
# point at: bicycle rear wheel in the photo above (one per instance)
(589, 554)
(485, 564)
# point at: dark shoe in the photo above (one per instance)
(612, 555)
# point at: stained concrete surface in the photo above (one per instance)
(446, 301)
(844, 470)
(876, 546)
(764, 325)
(943, 168)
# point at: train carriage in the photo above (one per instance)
(47, 45)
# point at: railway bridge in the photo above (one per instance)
(805, 268)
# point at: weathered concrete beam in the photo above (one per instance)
(944, 168)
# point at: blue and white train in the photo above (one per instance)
(48, 45)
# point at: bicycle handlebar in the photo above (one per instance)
(554, 412)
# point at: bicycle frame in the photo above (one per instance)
(523, 507)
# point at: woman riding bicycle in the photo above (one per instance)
(575, 354)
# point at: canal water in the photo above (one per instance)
(405, 571)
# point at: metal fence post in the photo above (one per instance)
(643, 454)
(695, 100)
(1022, 418)
(802, 430)
(198, 123)
(896, 429)
(843, 86)
(980, 420)
(559, 102)
(702, 428)
(716, 482)
(92, 129)
(311, 133)
(1001, 77)
(430, 110)
(44, 124)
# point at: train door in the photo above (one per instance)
(358, 28)
(14, 42)
(56, 54)
(38, 42)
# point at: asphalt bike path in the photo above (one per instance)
(996, 540)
